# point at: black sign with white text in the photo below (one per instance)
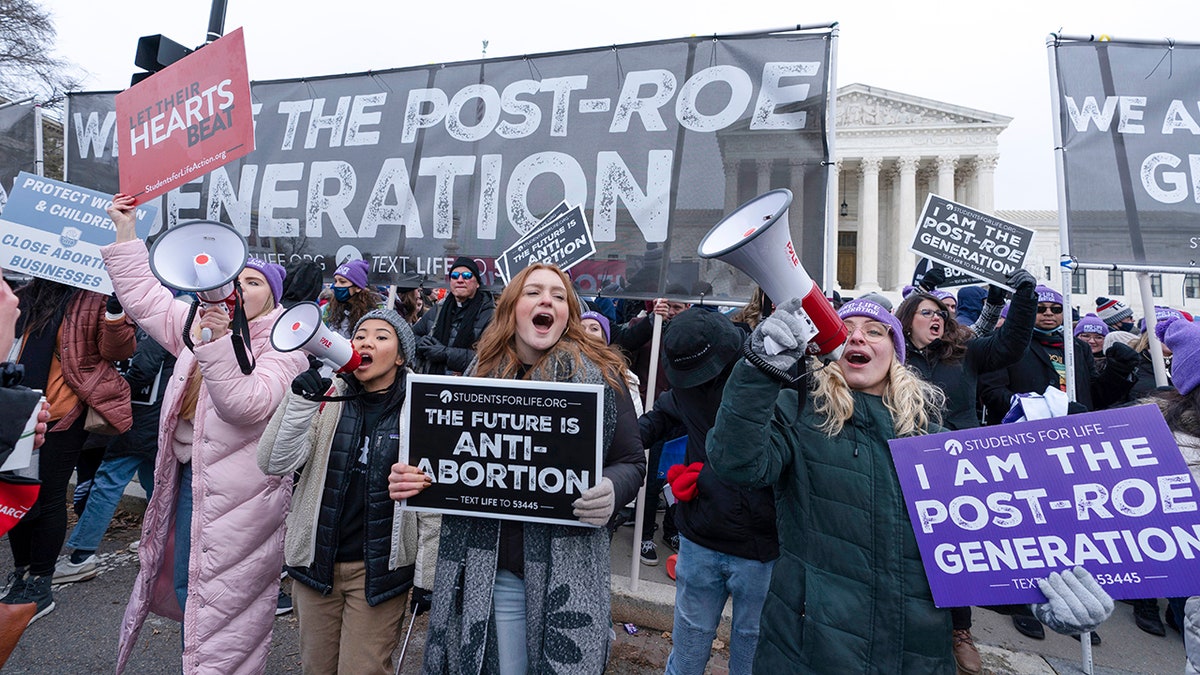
(975, 242)
(510, 449)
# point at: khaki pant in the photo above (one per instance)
(340, 633)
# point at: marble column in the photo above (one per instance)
(985, 185)
(868, 225)
(762, 172)
(945, 176)
(731, 184)
(907, 219)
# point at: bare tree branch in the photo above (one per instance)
(27, 64)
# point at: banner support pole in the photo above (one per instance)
(1151, 319)
(829, 271)
(1063, 240)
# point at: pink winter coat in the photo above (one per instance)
(237, 512)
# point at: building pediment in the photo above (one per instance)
(859, 106)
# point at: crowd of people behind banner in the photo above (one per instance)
(783, 499)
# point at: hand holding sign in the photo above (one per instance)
(406, 481)
(595, 505)
(122, 212)
(1075, 602)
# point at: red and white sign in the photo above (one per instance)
(186, 120)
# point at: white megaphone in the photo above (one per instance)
(749, 239)
(301, 328)
(202, 257)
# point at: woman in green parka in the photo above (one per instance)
(848, 593)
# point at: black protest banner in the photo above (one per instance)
(564, 241)
(18, 137)
(1129, 123)
(977, 243)
(950, 276)
(412, 167)
(510, 449)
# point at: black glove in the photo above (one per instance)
(426, 341)
(113, 305)
(435, 353)
(310, 384)
(1023, 281)
(1120, 359)
(932, 279)
(996, 296)
(420, 600)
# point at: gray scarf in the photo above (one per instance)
(567, 576)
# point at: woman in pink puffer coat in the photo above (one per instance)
(212, 417)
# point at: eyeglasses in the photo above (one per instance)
(871, 332)
(930, 313)
(462, 275)
(1049, 309)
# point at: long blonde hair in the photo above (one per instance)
(914, 403)
(497, 352)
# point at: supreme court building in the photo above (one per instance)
(894, 149)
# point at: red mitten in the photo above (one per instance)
(683, 480)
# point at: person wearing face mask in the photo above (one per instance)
(950, 356)
(352, 298)
(514, 597)
(1043, 365)
(355, 556)
(849, 592)
(446, 338)
(212, 537)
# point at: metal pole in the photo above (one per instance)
(1063, 241)
(635, 569)
(407, 635)
(216, 21)
(1151, 319)
(1085, 640)
(829, 273)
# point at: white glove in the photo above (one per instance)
(782, 338)
(1076, 603)
(595, 505)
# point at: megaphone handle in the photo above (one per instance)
(206, 334)
(772, 347)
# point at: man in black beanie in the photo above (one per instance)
(445, 346)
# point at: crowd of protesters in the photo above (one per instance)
(777, 496)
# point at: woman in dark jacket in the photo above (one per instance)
(128, 454)
(69, 341)
(490, 571)
(951, 357)
(354, 556)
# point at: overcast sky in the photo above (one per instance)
(988, 56)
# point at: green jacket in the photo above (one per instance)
(848, 593)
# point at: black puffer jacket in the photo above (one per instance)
(457, 358)
(959, 380)
(149, 360)
(382, 583)
(722, 516)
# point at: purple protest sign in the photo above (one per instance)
(995, 509)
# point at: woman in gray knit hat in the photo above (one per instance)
(354, 556)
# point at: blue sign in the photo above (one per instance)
(996, 508)
(54, 230)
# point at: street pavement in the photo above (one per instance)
(80, 636)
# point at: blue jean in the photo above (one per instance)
(107, 487)
(508, 606)
(183, 534)
(704, 580)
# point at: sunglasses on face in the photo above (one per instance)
(1049, 309)
(930, 313)
(462, 275)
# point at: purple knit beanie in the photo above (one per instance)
(1091, 324)
(274, 274)
(355, 271)
(600, 319)
(1047, 294)
(876, 311)
(1183, 339)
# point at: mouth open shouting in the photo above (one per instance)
(541, 314)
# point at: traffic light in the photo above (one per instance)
(155, 52)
